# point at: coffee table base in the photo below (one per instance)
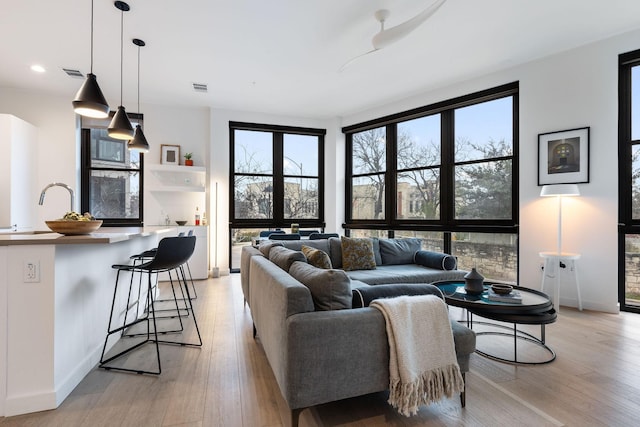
(517, 335)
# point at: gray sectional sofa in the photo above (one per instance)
(320, 348)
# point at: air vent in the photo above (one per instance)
(73, 73)
(200, 87)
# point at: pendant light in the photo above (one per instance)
(139, 142)
(120, 126)
(89, 100)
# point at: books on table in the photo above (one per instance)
(513, 297)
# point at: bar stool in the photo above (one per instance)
(171, 255)
(144, 257)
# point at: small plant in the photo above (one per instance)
(187, 156)
(187, 160)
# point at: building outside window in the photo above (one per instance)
(277, 179)
(112, 176)
(446, 173)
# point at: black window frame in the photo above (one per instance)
(447, 223)
(278, 219)
(85, 176)
(626, 223)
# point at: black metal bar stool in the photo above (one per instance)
(145, 256)
(171, 255)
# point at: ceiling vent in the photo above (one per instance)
(200, 87)
(73, 73)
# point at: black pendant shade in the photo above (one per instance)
(139, 142)
(120, 126)
(90, 101)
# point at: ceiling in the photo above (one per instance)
(283, 56)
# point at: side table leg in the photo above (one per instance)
(575, 276)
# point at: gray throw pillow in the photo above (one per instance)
(398, 251)
(265, 247)
(284, 257)
(330, 289)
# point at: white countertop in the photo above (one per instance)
(102, 235)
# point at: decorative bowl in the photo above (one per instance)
(501, 289)
(70, 228)
(181, 222)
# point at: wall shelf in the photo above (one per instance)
(178, 178)
(179, 188)
(176, 168)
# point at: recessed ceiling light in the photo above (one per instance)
(38, 68)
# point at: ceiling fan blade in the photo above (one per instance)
(391, 35)
(352, 60)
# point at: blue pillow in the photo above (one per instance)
(436, 260)
(398, 251)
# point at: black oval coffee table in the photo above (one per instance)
(535, 309)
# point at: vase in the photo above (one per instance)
(473, 282)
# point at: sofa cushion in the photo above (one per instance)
(330, 289)
(435, 260)
(406, 273)
(316, 257)
(284, 257)
(357, 254)
(265, 247)
(398, 251)
(335, 252)
(363, 296)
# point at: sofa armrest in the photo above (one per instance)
(334, 355)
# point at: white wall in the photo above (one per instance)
(56, 159)
(570, 90)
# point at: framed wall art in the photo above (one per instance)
(170, 154)
(563, 157)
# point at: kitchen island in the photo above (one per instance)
(55, 300)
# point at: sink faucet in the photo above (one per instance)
(57, 184)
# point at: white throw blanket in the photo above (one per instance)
(422, 358)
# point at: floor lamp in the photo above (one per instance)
(560, 191)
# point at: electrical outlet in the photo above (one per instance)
(31, 271)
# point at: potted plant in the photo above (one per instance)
(187, 160)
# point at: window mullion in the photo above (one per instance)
(278, 178)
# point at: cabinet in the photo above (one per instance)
(18, 140)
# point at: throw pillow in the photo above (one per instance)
(363, 296)
(330, 289)
(398, 251)
(316, 257)
(357, 254)
(435, 260)
(265, 247)
(284, 257)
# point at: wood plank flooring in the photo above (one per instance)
(228, 382)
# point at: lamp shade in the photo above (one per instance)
(139, 142)
(120, 126)
(89, 100)
(560, 190)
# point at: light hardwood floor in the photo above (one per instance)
(593, 382)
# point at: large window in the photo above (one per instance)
(629, 181)
(446, 172)
(112, 178)
(277, 179)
